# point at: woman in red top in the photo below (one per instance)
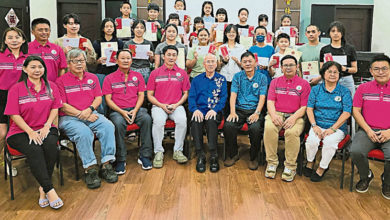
(13, 52)
(32, 106)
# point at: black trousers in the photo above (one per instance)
(212, 135)
(255, 130)
(40, 158)
(226, 109)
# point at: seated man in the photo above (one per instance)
(371, 107)
(81, 94)
(287, 100)
(248, 91)
(168, 88)
(124, 91)
(206, 101)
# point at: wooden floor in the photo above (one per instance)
(179, 192)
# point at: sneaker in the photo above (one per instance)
(253, 164)
(14, 171)
(288, 175)
(120, 167)
(231, 161)
(386, 191)
(145, 162)
(363, 184)
(92, 178)
(158, 160)
(179, 157)
(108, 173)
(270, 172)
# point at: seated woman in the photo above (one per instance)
(32, 106)
(81, 95)
(328, 109)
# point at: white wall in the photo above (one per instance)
(380, 29)
(45, 9)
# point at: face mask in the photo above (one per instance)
(260, 38)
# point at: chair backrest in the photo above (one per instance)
(12, 151)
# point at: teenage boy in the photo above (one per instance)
(274, 67)
(153, 13)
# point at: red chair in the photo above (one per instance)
(134, 128)
(375, 154)
(169, 128)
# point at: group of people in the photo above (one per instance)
(40, 81)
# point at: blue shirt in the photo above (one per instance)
(207, 94)
(249, 90)
(267, 52)
(208, 19)
(328, 106)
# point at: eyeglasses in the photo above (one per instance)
(377, 69)
(77, 61)
(289, 65)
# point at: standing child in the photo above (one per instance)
(274, 67)
(198, 24)
(125, 9)
(262, 20)
(220, 17)
(208, 12)
(153, 12)
(243, 15)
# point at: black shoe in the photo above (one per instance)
(386, 191)
(317, 178)
(92, 178)
(214, 165)
(108, 173)
(307, 172)
(363, 184)
(201, 164)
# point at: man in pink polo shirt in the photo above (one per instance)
(52, 54)
(371, 107)
(124, 91)
(168, 88)
(287, 100)
(81, 95)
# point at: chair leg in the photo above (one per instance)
(59, 165)
(76, 165)
(11, 183)
(300, 161)
(5, 165)
(352, 173)
(342, 170)
(224, 150)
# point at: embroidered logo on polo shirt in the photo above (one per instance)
(134, 78)
(178, 74)
(299, 87)
(53, 51)
(90, 81)
(337, 98)
(255, 85)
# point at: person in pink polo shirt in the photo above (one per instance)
(371, 107)
(13, 52)
(124, 91)
(168, 88)
(80, 91)
(33, 105)
(287, 100)
(52, 54)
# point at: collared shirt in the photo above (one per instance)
(34, 107)
(228, 70)
(289, 94)
(208, 19)
(328, 106)
(207, 94)
(168, 84)
(374, 100)
(249, 90)
(10, 68)
(267, 51)
(78, 93)
(52, 54)
(124, 93)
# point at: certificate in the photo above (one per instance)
(140, 51)
(123, 28)
(310, 68)
(202, 50)
(180, 29)
(151, 31)
(297, 54)
(110, 54)
(342, 59)
(218, 36)
(181, 61)
(183, 15)
(263, 61)
(247, 42)
(72, 42)
(104, 45)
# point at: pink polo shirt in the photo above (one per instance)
(124, 93)
(10, 69)
(34, 108)
(52, 54)
(289, 94)
(168, 84)
(78, 93)
(374, 100)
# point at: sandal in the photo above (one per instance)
(59, 200)
(43, 203)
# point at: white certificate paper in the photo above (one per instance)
(73, 42)
(141, 52)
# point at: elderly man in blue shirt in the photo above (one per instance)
(206, 100)
(248, 94)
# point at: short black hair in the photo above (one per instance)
(67, 17)
(378, 58)
(248, 54)
(126, 3)
(170, 47)
(262, 17)
(221, 11)
(285, 16)
(327, 65)
(173, 16)
(153, 6)
(37, 21)
(289, 57)
(123, 50)
(203, 29)
(227, 30)
(184, 3)
(261, 27)
(312, 25)
(197, 20)
(171, 25)
(243, 9)
(283, 35)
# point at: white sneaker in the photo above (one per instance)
(270, 172)
(14, 171)
(288, 175)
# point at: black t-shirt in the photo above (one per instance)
(242, 26)
(139, 63)
(346, 50)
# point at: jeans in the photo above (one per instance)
(144, 121)
(40, 158)
(82, 133)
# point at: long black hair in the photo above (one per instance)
(221, 11)
(212, 8)
(227, 30)
(197, 20)
(24, 76)
(341, 28)
(23, 48)
(103, 24)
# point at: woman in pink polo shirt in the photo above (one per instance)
(13, 52)
(32, 106)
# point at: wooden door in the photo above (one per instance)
(21, 8)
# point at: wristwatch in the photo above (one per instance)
(92, 108)
(257, 112)
(313, 125)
